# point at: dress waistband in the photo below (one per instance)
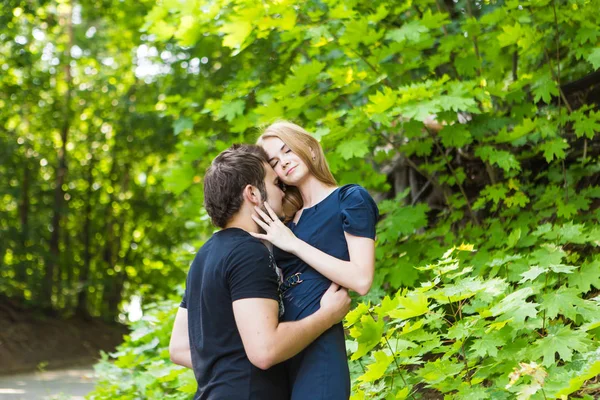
(298, 278)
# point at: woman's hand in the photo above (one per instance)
(275, 231)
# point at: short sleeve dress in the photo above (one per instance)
(321, 370)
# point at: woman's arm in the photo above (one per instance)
(356, 274)
(179, 346)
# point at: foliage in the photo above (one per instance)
(461, 115)
(488, 336)
(85, 218)
(142, 368)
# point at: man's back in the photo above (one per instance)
(231, 266)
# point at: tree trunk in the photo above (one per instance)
(21, 273)
(61, 171)
(82, 295)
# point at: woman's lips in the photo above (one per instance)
(290, 170)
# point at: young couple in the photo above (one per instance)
(239, 321)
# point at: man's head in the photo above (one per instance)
(237, 175)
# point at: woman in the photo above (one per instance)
(330, 236)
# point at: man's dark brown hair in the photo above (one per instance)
(230, 172)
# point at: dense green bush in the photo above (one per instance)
(459, 116)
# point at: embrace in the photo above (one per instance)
(266, 294)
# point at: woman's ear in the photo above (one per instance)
(313, 154)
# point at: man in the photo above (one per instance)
(227, 328)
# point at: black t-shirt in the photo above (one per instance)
(232, 265)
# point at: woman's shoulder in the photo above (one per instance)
(352, 191)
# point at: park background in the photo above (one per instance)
(474, 124)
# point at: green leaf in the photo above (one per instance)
(516, 307)
(409, 306)
(554, 149)
(487, 345)
(410, 32)
(181, 125)
(354, 316)
(503, 159)
(587, 125)
(231, 109)
(353, 148)
(368, 334)
(562, 340)
(379, 102)
(594, 58)
(438, 370)
(564, 301)
(545, 88)
(376, 370)
(455, 135)
(236, 33)
(532, 273)
(586, 277)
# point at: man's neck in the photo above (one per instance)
(243, 220)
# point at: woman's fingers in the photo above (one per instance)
(264, 216)
(271, 212)
(260, 222)
(259, 236)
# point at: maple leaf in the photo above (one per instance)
(455, 135)
(587, 34)
(410, 31)
(368, 334)
(554, 149)
(503, 159)
(545, 88)
(487, 345)
(594, 58)
(586, 277)
(587, 125)
(379, 102)
(532, 273)
(409, 306)
(516, 307)
(376, 370)
(439, 370)
(354, 316)
(182, 124)
(353, 148)
(231, 109)
(236, 33)
(562, 340)
(564, 301)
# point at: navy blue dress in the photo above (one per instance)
(321, 370)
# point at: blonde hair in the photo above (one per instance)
(301, 143)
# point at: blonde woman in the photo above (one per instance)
(328, 236)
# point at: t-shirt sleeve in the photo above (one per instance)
(251, 274)
(359, 211)
(183, 303)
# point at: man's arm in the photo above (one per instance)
(179, 346)
(268, 342)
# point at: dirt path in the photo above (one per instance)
(70, 383)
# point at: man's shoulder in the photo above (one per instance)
(231, 247)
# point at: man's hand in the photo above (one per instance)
(275, 231)
(335, 303)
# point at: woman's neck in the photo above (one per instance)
(313, 191)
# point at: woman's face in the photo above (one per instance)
(290, 168)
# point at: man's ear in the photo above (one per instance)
(252, 195)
